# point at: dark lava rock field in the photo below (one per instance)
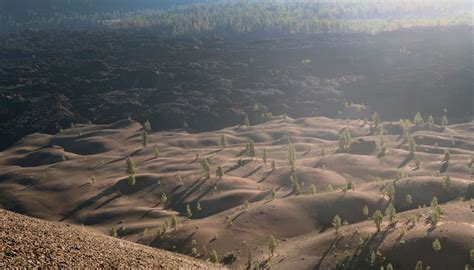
(51, 79)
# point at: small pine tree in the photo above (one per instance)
(156, 151)
(345, 141)
(408, 199)
(419, 265)
(164, 199)
(351, 185)
(198, 207)
(246, 205)
(376, 119)
(436, 211)
(391, 212)
(418, 119)
(130, 166)
(264, 156)
(336, 223)
(312, 189)
(329, 188)
(246, 121)
(447, 156)
(444, 121)
(223, 141)
(273, 194)
(174, 222)
(377, 217)
(435, 217)
(255, 107)
(220, 172)
(113, 232)
(417, 163)
(147, 126)
(189, 213)
(436, 245)
(185, 124)
(251, 149)
(272, 244)
(389, 266)
(471, 255)
(93, 179)
(344, 188)
(430, 121)
(365, 210)
(434, 202)
(131, 171)
(213, 258)
(131, 180)
(411, 145)
(390, 191)
(447, 183)
(144, 138)
(413, 220)
(373, 256)
(206, 167)
(291, 156)
(273, 165)
(166, 225)
(296, 188)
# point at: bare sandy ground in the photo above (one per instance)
(79, 177)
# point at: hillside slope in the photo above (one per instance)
(29, 242)
(78, 176)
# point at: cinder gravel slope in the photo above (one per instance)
(29, 242)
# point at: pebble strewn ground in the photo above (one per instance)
(28, 242)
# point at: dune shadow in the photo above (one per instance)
(85, 184)
(406, 160)
(326, 253)
(319, 164)
(121, 186)
(146, 213)
(380, 154)
(265, 176)
(89, 202)
(122, 158)
(238, 165)
(241, 153)
(182, 196)
(371, 243)
(444, 167)
(253, 172)
(214, 152)
(107, 201)
(238, 215)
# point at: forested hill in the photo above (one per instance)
(90, 6)
(47, 14)
(191, 17)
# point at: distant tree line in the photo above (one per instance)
(254, 16)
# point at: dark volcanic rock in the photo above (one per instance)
(50, 79)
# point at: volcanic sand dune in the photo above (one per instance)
(78, 176)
